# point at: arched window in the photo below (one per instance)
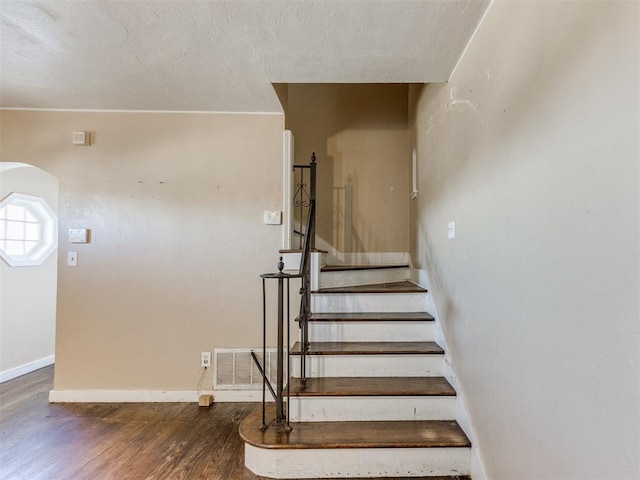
(28, 230)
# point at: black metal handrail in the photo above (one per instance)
(304, 194)
(280, 395)
(305, 268)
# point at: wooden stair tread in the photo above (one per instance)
(388, 287)
(344, 268)
(372, 316)
(362, 434)
(370, 386)
(370, 348)
(300, 250)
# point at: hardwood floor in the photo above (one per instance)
(42, 441)
(106, 441)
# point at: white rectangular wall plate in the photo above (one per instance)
(80, 138)
(78, 235)
(72, 259)
(451, 230)
(272, 217)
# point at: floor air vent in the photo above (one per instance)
(234, 369)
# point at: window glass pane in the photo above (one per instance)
(15, 212)
(15, 230)
(27, 228)
(28, 246)
(32, 232)
(29, 216)
(15, 248)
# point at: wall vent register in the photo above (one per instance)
(28, 230)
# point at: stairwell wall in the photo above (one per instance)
(359, 133)
(174, 203)
(532, 149)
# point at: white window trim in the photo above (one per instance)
(49, 228)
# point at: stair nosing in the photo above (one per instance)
(372, 317)
(315, 348)
(436, 387)
(349, 268)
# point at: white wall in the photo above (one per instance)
(174, 203)
(532, 149)
(359, 134)
(27, 294)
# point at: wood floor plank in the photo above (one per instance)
(370, 348)
(372, 316)
(370, 386)
(389, 287)
(393, 434)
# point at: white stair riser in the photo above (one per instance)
(368, 302)
(320, 409)
(348, 278)
(370, 365)
(375, 331)
(357, 462)
(292, 261)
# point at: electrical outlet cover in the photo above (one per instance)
(205, 359)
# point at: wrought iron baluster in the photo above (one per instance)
(304, 198)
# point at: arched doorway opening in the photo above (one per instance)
(28, 268)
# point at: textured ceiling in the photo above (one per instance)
(219, 55)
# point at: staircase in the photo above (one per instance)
(375, 402)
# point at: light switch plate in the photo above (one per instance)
(451, 230)
(72, 259)
(272, 217)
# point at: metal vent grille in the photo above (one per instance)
(234, 369)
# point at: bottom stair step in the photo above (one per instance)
(376, 434)
(356, 449)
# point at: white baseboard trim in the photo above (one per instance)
(26, 368)
(221, 396)
(419, 277)
(152, 396)
(123, 396)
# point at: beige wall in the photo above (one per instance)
(532, 149)
(174, 203)
(27, 294)
(359, 133)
